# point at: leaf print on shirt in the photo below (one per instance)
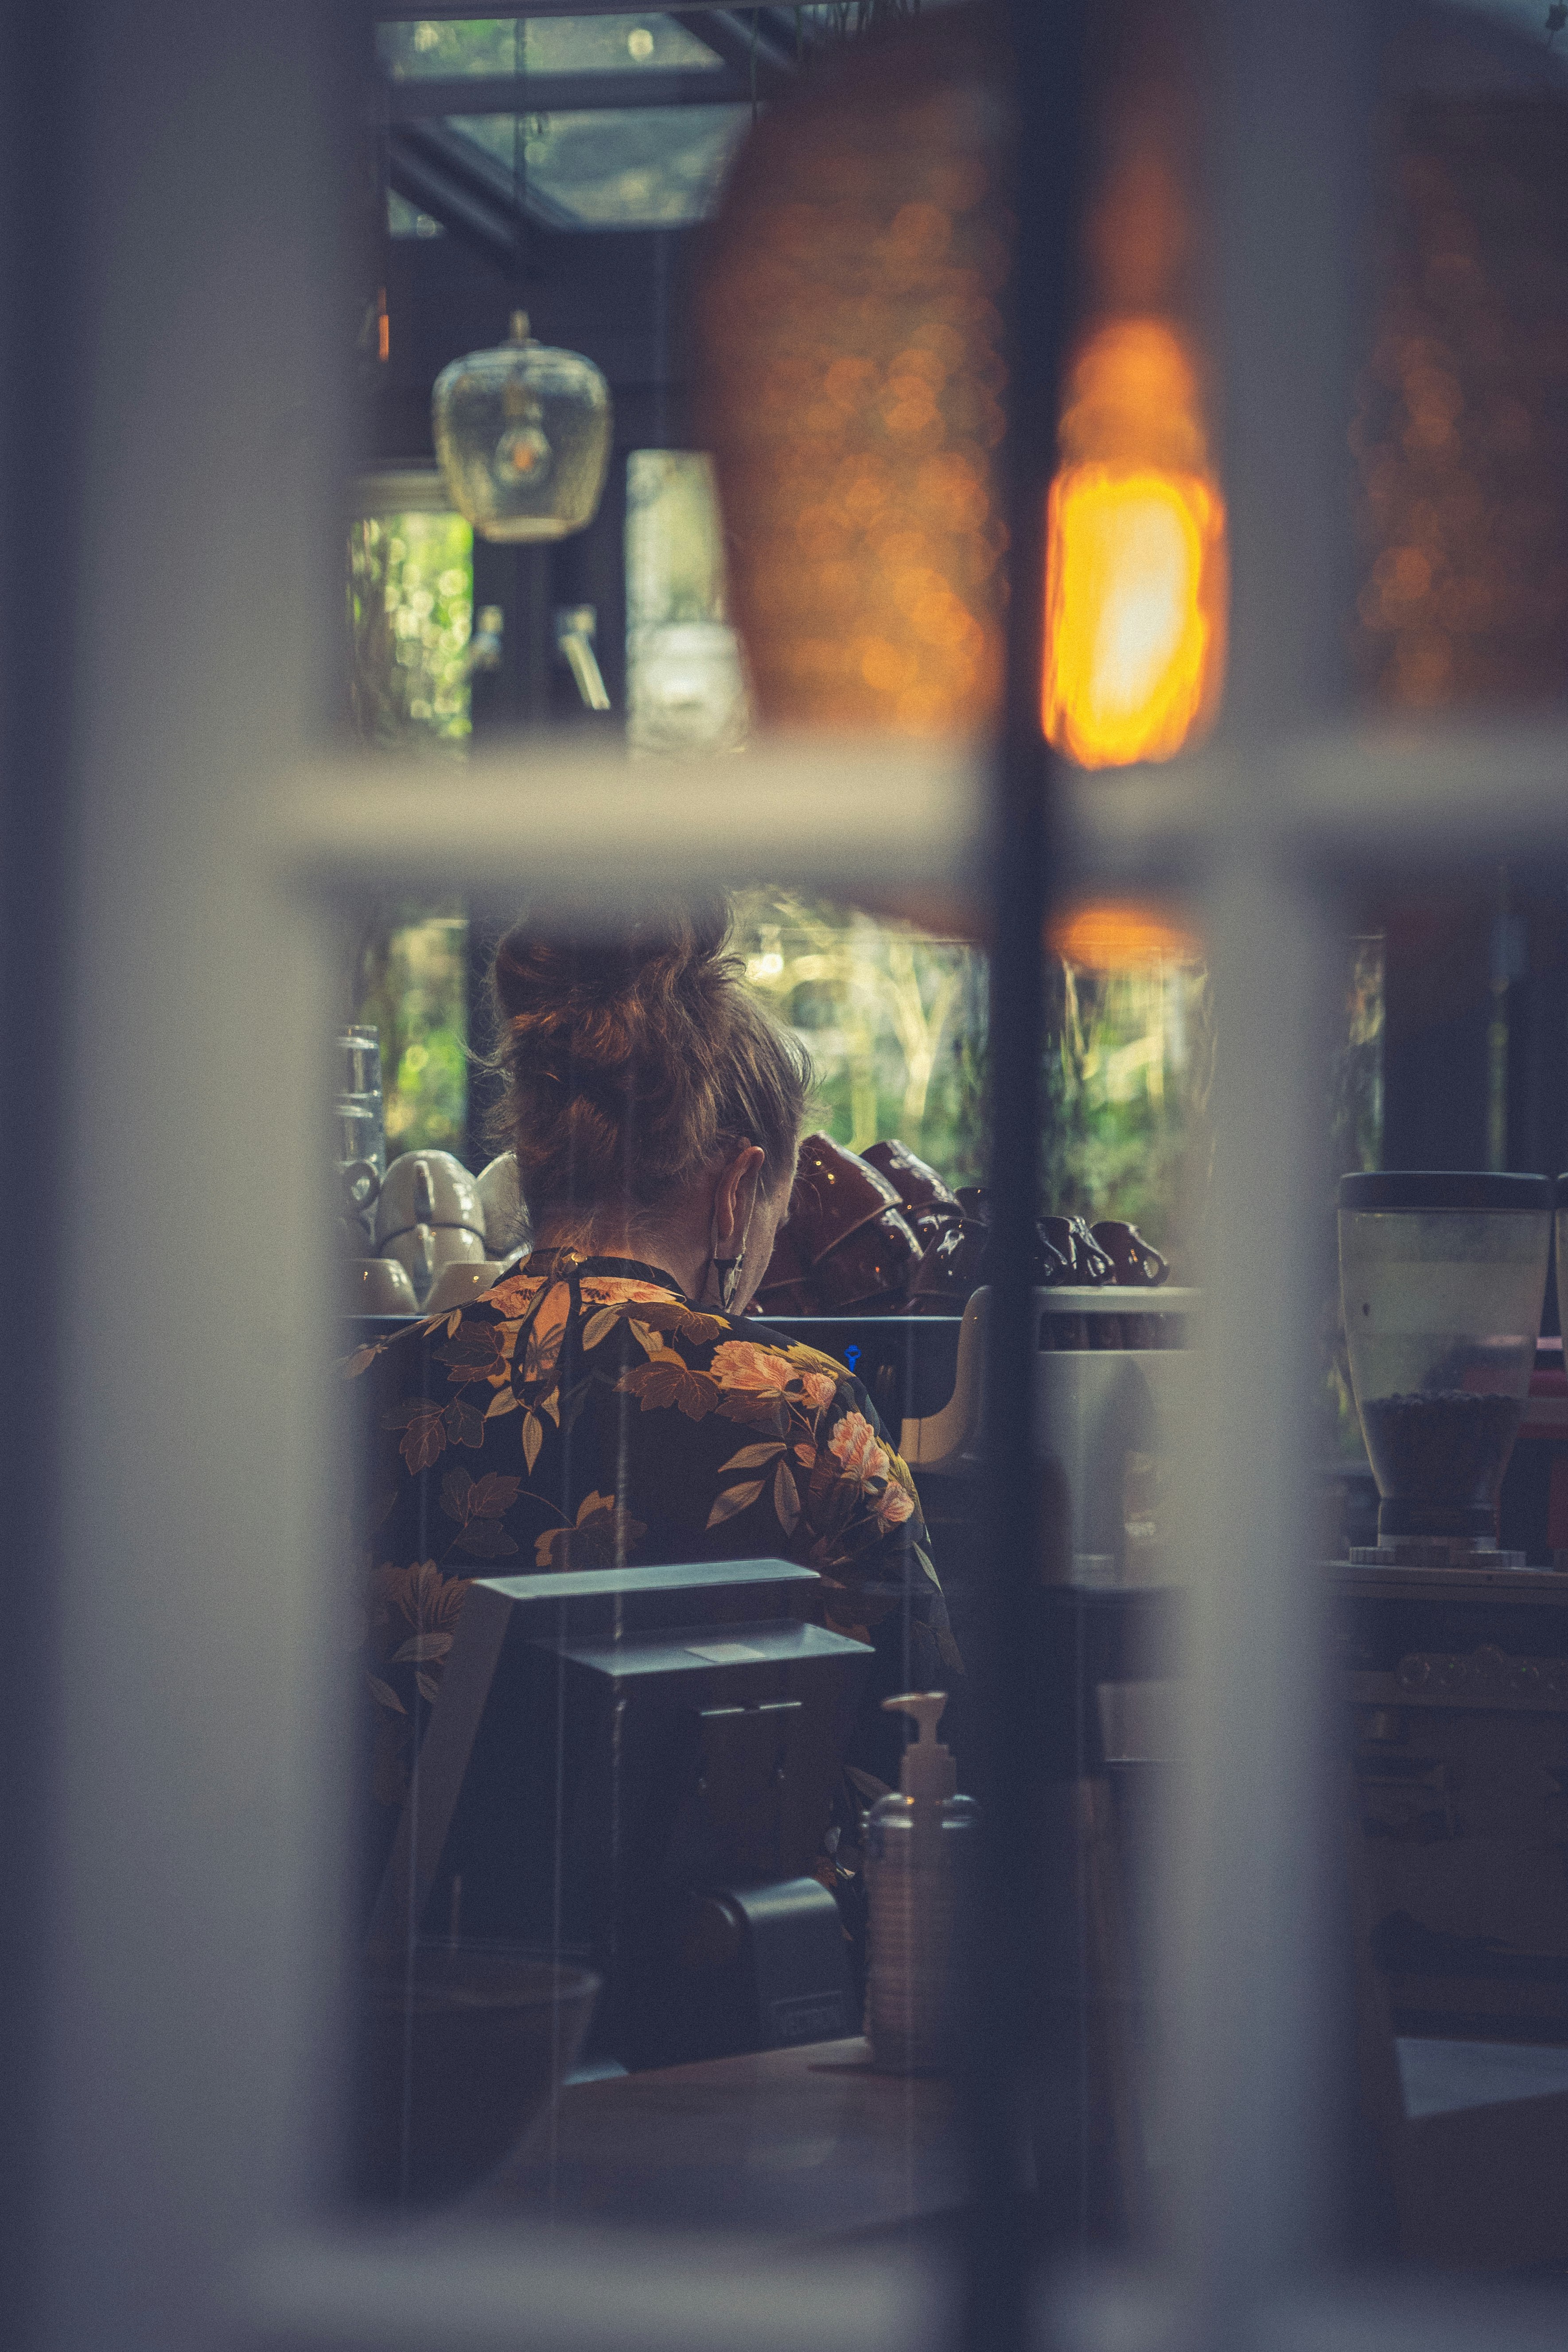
(490, 1497)
(464, 1424)
(605, 1536)
(479, 1351)
(608, 1290)
(476, 1504)
(768, 1442)
(416, 1600)
(733, 1500)
(667, 1380)
(516, 1295)
(787, 1498)
(799, 1352)
(678, 1321)
(424, 1431)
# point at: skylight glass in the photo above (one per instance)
(404, 219)
(490, 44)
(638, 167)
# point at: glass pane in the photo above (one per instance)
(404, 219)
(1459, 1960)
(641, 167)
(689, 1816)
(611, 44)
(488, 45)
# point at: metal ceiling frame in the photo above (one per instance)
(419, 98)
(446, 176)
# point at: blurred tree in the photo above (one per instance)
(410, 607)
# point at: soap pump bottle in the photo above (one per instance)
(918, 1860)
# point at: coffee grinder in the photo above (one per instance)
(1442, 1278)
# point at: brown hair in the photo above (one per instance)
(628, 1066)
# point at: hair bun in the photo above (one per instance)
(626, 1063)
(539, 968)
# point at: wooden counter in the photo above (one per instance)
(805, 2143)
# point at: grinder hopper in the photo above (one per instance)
(1442, 1277)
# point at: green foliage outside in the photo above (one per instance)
(894, 1019)
(410, 608)
(1129, 1064)
(888, 1014)
(412, 985)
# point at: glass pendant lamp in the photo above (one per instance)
(522, 433)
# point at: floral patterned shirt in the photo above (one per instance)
(583, 1414)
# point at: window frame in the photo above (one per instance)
(181, 2001)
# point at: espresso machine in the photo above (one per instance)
(1115, 1370)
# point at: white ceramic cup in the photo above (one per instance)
(378, 1285)
(426, 1188)
(506, 1219)
(459, 1283)
(426, 1249)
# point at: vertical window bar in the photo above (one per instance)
(1048, 67)
(1250, 1914)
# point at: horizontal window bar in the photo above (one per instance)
(604, 835)
(608, 832)
(573, 2290)
(595, 2290)
(1351, 800)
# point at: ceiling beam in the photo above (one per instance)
(751, 44)
(445, 176)
(418, 99)
(407, 12)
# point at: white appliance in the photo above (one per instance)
(1109, 1422)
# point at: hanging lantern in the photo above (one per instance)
(849, 376)
(522, 435)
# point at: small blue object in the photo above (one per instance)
(851, 1357)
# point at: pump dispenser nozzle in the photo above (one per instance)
(927, 1769)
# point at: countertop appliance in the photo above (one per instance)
(633, 1769)
(1442, 1279)
(1109, 1418)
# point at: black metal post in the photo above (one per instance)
(1046, 89)
(41, 481)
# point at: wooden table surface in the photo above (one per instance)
(808, 2143)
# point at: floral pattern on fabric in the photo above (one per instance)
(583, 1414)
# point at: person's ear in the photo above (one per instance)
(738, 1188)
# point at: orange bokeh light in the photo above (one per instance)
(1114, 935)
(1135, 555)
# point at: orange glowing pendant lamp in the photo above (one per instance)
(1136, 573)
(852, 379)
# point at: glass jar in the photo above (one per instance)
(522, 433)
(1442, 1278)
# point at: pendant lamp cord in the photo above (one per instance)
(518, 152)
